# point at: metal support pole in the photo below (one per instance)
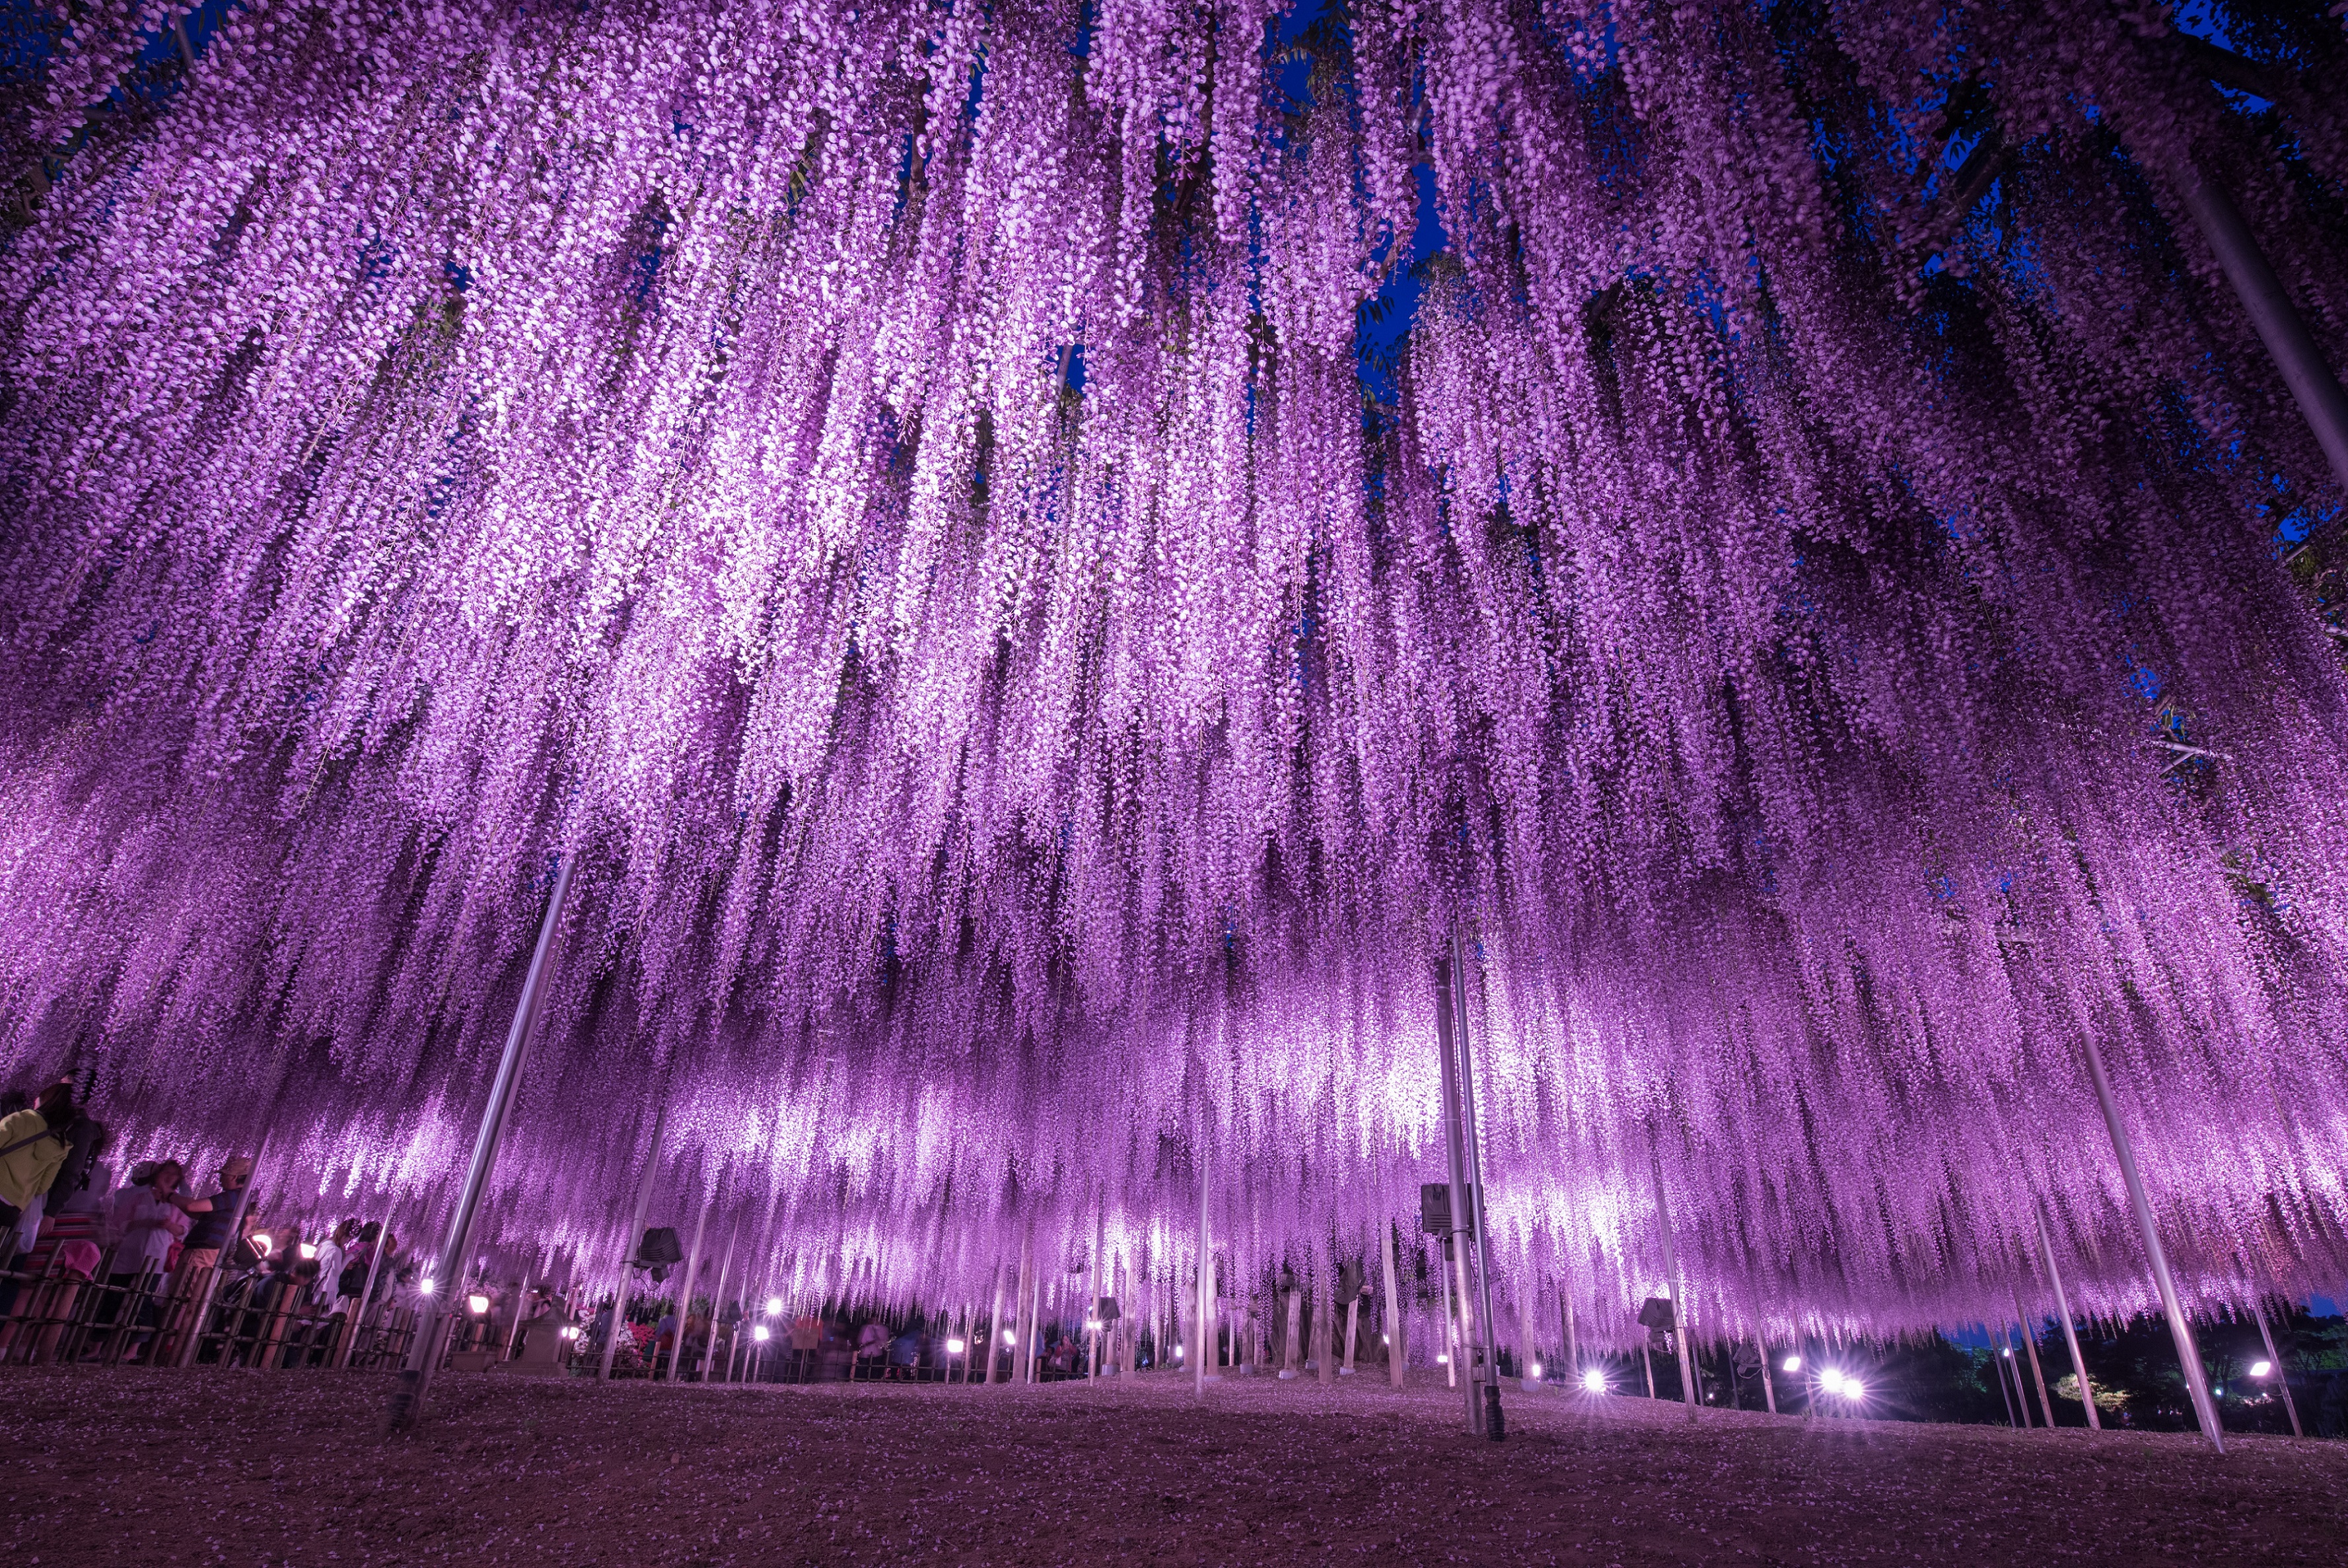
(718, 1301)
(2037, 1372)
(995, 1324)
(1681, 1304)
(2001, 1356)
(1495, 1427)
(684, 1292)
(194, 1333)
(1023, 1359)
(1768, 1387)
(521, 1304)
(1394, 1315)
(2277, 322)
(383, 1238)
(1099, 1325)
(2070, 1335)
(1456, 1169)
(1450, 1352)
(631, 1241)
(2189, 1352)
(1203, 1336)
(424, 1354)
(2281, 1373)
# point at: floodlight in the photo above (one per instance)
(308, 1251)
(1594, 1381)
(428, 1287)
(1535, 1371)
(773, 1306)
(478, 1303)
(762, 1333)
(1791, 1364)
(2260, 1368)
(955, 1346)
(1852, 1389)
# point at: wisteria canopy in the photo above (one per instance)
(1040, 557)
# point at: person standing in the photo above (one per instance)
(35, 1144)
(150, 1218)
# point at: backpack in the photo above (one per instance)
(353, 1279)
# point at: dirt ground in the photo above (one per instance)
(126, 1466)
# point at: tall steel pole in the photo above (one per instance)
(1393, 1314)
(1455, 1168)
(1681, 1304)
(2277, 322)
(407, 1396)
(383, 1238)
(632, 1240)
(692, 1272)
(1495, 1428)
(2070, 1335)
(717, 1301)
(2037, 1372)
(2189, 1352)
(2274, 1360)
(994, 1325)
(1205, 1334)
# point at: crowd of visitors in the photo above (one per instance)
(151, 1271)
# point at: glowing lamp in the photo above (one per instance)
(2260, 1368)
(1791, 1364)
(762, 1333)
(428, 1287)
(1830, 1380)
(1594, 1381)
(1852, 1389)
(2008, 1352)
(260, 1242)
(1442, 1360)
(308, 1251)
(1091, 1326)
(477, 1305)
(1011, 1342)
(1534, 1369)
(773, 1306)
(955, 1346)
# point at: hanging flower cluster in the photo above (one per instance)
(924, 501)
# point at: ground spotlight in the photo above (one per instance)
(309, 1252)
(1594, 1381)
(773, 1306)
(762, 1333)
(2260, 1368)
(477, 1304)
(955, 1346)
(428, 1287)
(1791, 1364)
